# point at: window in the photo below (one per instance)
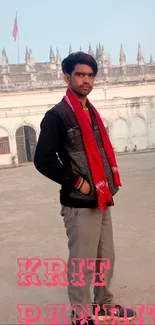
(4, 146)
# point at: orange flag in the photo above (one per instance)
(15, 28)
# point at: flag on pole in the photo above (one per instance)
(15, 28)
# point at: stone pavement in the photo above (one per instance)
(31, 226)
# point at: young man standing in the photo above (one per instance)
(74, 150)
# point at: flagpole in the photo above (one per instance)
(18, 50)
(17, 44)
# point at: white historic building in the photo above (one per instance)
(124, 96)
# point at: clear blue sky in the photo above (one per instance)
(59, 22)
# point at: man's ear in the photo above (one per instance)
(67, 78)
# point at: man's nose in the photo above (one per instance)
(86, 79)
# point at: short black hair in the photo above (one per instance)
(69, 63)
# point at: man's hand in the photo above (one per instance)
(85, 189)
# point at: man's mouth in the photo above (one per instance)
(85, 87)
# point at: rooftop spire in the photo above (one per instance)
(26, 54)
(4, 52)
(140, 57)
(96, 53)
(122, 57)
(109, 59)
(70, 49)
(90, 51)
(58, 57)
(103, 54)
(4, 58)
(51, 56)
(151, 59)
(99, 48)
(31, 58)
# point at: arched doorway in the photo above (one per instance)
(139, 133)
(26, 141)
(120, 135)
(106, 125)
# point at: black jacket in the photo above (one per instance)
(60, 155)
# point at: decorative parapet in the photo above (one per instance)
(36, 75)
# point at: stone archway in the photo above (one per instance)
(139, 133)
(120, 135)
(106, 124)
(26, 141)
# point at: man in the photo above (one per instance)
(74, 151)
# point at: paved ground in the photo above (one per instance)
(31, 226)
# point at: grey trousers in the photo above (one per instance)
(90, 235)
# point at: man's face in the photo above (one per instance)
(81, 80)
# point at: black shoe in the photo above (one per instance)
(89, 321)
(109, 314)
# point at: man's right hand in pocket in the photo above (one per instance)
(85, 189)
(83, 186)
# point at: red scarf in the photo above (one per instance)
(92, 150)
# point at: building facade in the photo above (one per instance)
(124, 95)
